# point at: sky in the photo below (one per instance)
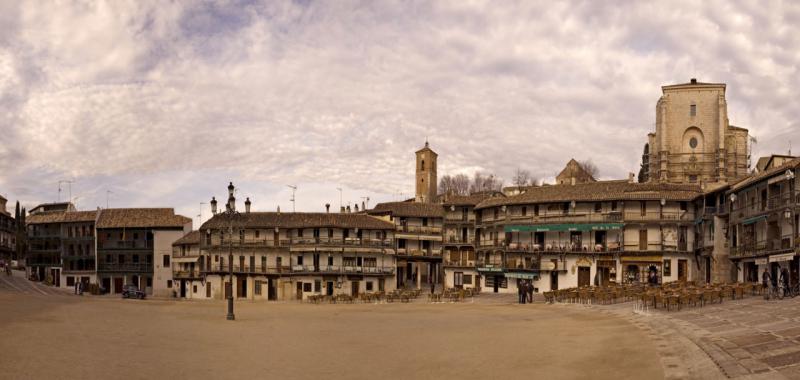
(161, 104)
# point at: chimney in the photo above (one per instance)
(327, 208)
(213, 206)
(693, 80)
(631, 177)
(356, 207)
(247, 205)
(279, 209)
(348, 209)
(341, 211)
(363, 206)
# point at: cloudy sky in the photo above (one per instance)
(151, 104)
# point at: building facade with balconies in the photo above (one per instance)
(290, 256)
(44, 232)
(763, 222)
(561, 236)
(78, 248)
(188, 270)
(134, 246)
(417, 241)
(8, 233)
(459, 256)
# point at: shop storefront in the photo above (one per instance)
(641, 269)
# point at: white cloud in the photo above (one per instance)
(324, 95)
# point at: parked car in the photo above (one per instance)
(132, 291)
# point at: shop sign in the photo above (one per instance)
(783, 257)
(761, 261)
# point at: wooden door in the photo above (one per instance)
(117, 285)
(583, 276)
(208, 290)
(354, 288)
(299, 295)
(682, 268)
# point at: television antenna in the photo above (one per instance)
(69, 183)
(294, 189)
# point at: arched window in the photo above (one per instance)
(422, 165)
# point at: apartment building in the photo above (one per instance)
(8, 233)
(459, 240)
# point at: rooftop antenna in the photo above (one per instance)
(340, 197)
(366, 202)
(69, 184)
(294, 188)
(107, 193)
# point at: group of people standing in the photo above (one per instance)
(79, 288)
(768, 279)
(525, 291)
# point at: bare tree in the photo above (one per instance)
(524, 178)
(590, 167)
(454, 185)
(482, 182)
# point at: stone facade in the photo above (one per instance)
(694, 141)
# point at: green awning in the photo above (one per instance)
(564, 227)
(754, 219)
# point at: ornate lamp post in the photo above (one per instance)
(230, 214)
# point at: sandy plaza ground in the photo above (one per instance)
(52, 334)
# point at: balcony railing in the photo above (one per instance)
(460, 263)
(127, 244)
(179, 274)
(125, 267)
(459, 240)
(295, 269)
(559, 217)
(763, 247)
(419, 252)
(300, 241)
(43, 261)
(773, 203)
(423, 230)
(638, 216)
(459, 218)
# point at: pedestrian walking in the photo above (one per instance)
(520, 293)
(530, 292)
(76, 287)
(785, 280)
(766, 279)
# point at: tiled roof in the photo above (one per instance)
(45, 217)
(300, 219)
(598, 191)
(79, 216)
(141, 218)
(409, 209)
(469, 200)
(753, 178)
(190, 238)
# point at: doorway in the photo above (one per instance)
(682, 269)
(106, 285)
(329, 288)
(354, 287)
(208, 290)
(241, 284)
(272, 293)
(299, 293)
(584, 276)
(117, 285)
(553, 280)
(642, 239)
(183, 288)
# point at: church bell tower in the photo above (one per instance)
(426, 180)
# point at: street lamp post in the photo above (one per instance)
(230, 214)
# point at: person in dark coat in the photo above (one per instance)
(530, 292)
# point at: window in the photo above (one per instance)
(424, 222)
(370, 262)
(369, 286)
(150, 282)
(208, 239)
(299, 232)
(70, 281)
(422, 165)
(467, 279)
(299, 260)
(194, 289)
(316, 232)
(349, 261)
(169, 284)
(598, 207)
(693, 143)
(166, 261)
(684, 206)
(330, 260)
(693, 110)
(667, 268)
(241, 236)
(121, 259)
(330, 232)
(536, 210)
(614, 206)
(257, 288)
(135, 259)
(458, 279)
(135, 236)
(263, 263)
(692, 178)
(306, 286)
(524, 211)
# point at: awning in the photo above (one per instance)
(185, 259)
(418, 237)
(781, 257)
(564, 227)
(524, 276)
(753, 219)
